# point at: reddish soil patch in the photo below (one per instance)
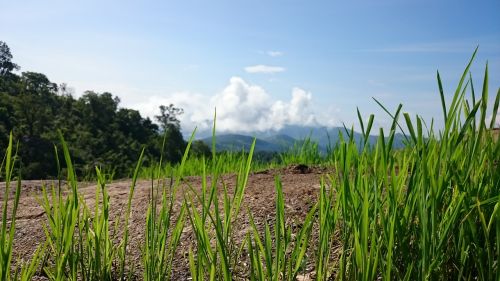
(300, 187)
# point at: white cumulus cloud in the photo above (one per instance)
(241, 108)
(266, 69)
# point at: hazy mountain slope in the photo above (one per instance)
(286, 137)
(236, 142)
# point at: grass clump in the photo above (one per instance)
(283, 257)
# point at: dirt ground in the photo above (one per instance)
(300, 187)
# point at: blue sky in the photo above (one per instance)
(263, 64)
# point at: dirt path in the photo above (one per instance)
(300, 187)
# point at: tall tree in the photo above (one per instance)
(168, 117)
(170, 124)
(6, 64)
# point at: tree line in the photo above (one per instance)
(99, 131)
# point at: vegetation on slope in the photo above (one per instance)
(101, 132)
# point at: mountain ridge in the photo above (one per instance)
(285, 138)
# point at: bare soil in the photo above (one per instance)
(300, 187)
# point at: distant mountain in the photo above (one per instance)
(281, 140)
(235, 142)
(285, 138)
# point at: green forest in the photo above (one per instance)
(100, 131)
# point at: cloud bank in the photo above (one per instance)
(241, 108)
(266, 69)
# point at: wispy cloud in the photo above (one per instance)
(267, 69)
(275, 53)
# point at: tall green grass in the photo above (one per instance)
(280, 257)
(428, 211)
(7, 231)
(62, 218)
(163, 230)
(305, 152)
(23, 271)
(97, 248)
(216, 254)
(194, 166)
(80, 244)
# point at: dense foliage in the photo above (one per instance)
(100, 132)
